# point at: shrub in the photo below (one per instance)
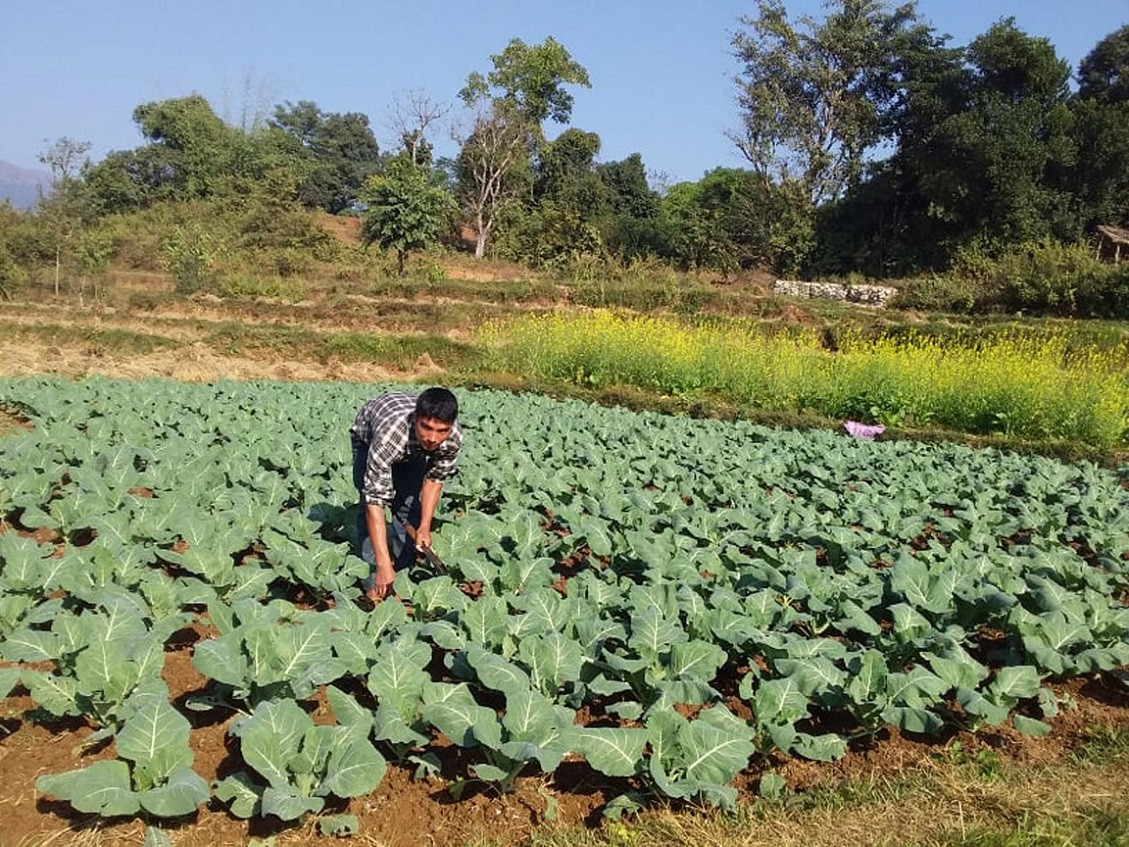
(1041, 277)
(11, 274)
(192, 256)
(249, 285)
(937, 293)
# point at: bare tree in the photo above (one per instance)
(497, 143)
(253, 103)
(413, 113)
(61, 206)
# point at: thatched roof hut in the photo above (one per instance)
(1112, 242)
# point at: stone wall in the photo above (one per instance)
(866, 295)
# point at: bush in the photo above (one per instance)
(1041, 277)
(12, 276)
(289, 261)
(937, 293)
(237, 285)
(192, 256)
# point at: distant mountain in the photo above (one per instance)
(21, 186)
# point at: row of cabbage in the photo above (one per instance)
(704, 591)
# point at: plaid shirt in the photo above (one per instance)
(387, 425)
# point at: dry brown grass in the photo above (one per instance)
(931, 804)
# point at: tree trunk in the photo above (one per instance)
(57, 264)
(480, 230)
(401, 261)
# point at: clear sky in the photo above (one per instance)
(661, 70)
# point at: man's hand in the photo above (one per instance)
(382, 584)
(423, 539)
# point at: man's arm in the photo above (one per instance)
(378, 535)
(428, 501)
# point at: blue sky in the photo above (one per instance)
(661, 70)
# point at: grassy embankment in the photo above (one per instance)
(674, 343)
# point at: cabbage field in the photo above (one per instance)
(669, 601)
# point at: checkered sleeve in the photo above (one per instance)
(384, 424)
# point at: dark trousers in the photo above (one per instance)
(407, 479)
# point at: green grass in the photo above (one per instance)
(387, 350)
(93, 341)
(960, 797)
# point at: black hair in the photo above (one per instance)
(438, 404)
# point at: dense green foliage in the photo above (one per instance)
(340, 152)
(406, 209)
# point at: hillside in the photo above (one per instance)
(21, 186)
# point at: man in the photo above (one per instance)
(404, 447)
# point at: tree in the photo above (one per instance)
(696, 240)
(986, 149)
(566, 173)
(407, 208)
(995, 169)
(629, 192)
(730, 219)
(1101, 112)
(340, 152)
(531, 79)
(813, 99)
(129, 180)
(632, 227)
(509, 104)
(490, 155)
(21, 247)
(62, 207)
(200, 150)
(411, 119)
(1103, 74)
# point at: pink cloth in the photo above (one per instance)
(861, 430)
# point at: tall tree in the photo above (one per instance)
(630, 193)
(633, 227)
(62, 206)
(995, 169)
(491, 153)
(986, 150)
(566, 173)
(509, 104)
(199, 149)
(531, 78)
(1101, 110)
(813, 97)
(1103, 74)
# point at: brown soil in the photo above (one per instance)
(404, 812)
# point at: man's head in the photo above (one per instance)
(436, 411)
